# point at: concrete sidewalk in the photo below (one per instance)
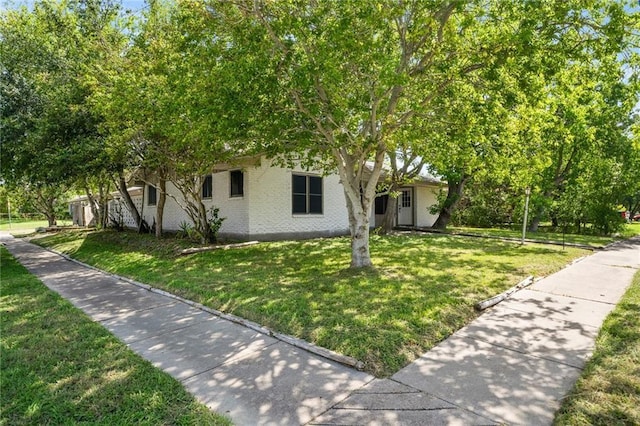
(512, 365)
(517, 361)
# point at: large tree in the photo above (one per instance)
(345, 78)
(167, 104)
(553, 40)
(586, 144)
(340, 84)
(50, 131)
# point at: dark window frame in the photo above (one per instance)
(381, 203)
(206, 191)
(152, 200)
(312, 199)
(236, 189)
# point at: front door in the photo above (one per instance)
(405, 207)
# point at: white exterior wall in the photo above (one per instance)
(425, 197)
(119, 207)
(270, 204)
(89, 219)
(81, 213)
(233, 209)
(77, 213)
(173, 215)
(265, 209)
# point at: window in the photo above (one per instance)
(406, 198)
(307, 194)
(237, 183)
(381, 204)
(152, 195)
(207, 187)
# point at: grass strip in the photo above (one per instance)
(422, 289)
(28, 224)
(608, 392)
(59, 367)
(594, 241)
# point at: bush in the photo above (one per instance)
(215, 222)
(186, 230)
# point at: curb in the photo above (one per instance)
(492, 301)
(487, 303)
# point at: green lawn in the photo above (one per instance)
(589, 240)
(422, 289)
(608, 393)
(24, 227)
(59, 367)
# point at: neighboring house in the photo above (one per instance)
(118, 211)
(82, 215)
(80, 211)
(263, 201)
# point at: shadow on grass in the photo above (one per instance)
(59, 367)
(421, 289)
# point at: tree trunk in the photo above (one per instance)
(92, 204)
(191, 203)
(205, 234)
(535, 222)
(389, 220)
(359, 196)
(51, 218)
(160, 207)
(454, 194)
(359, 229)
(99, 206)
(50, 205)
(103, 206)
(122, 188)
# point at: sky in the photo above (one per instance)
(133, 5)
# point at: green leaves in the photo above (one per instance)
(46, 111)
(508, 89)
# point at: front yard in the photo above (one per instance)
(422, 289)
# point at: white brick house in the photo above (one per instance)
(264, 201)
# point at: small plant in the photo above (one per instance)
(215, 222)
(116, 219)
(193, 234)
(186, 230)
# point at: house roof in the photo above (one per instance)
(423, 177)
(133, 190)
